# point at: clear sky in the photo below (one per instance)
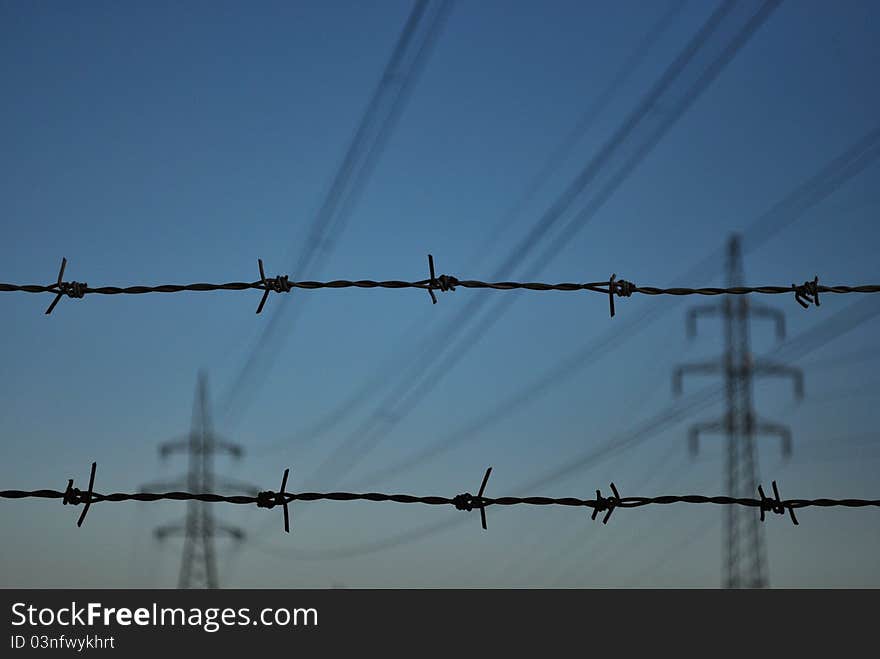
(168, 142)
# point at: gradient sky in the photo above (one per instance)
(170, 142)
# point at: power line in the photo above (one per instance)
(419, 383)
(583, 125)
(638, 118)
(836, 325)
(615, 550)
(782, 214)
(653, 470)
(861, 356)
(673, 550)
(378, 122)
(626, 542)
(393, 366)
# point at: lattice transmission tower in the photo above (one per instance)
(198, 569)
(743, 544)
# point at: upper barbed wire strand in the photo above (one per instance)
(805, 294)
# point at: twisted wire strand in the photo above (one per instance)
(624, 502)
(465, 501)
(425, 284)
(805, 294)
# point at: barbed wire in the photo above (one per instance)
(466, 501)
(805, 294)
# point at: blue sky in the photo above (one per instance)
(179, 142)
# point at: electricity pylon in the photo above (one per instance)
(198, 569)
(743, 544)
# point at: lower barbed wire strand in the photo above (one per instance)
(476, 501)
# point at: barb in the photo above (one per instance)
(73, 289)
(805, 294)
(466, 502)
(278, 284)
(74, 497)
(775, 505)
(270, 499)
(603, 504)
(622, 288)
(442, 283)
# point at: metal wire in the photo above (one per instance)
(465, 501)
(805, 294)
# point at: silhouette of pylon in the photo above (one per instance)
(743, 545)
(198, 569)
